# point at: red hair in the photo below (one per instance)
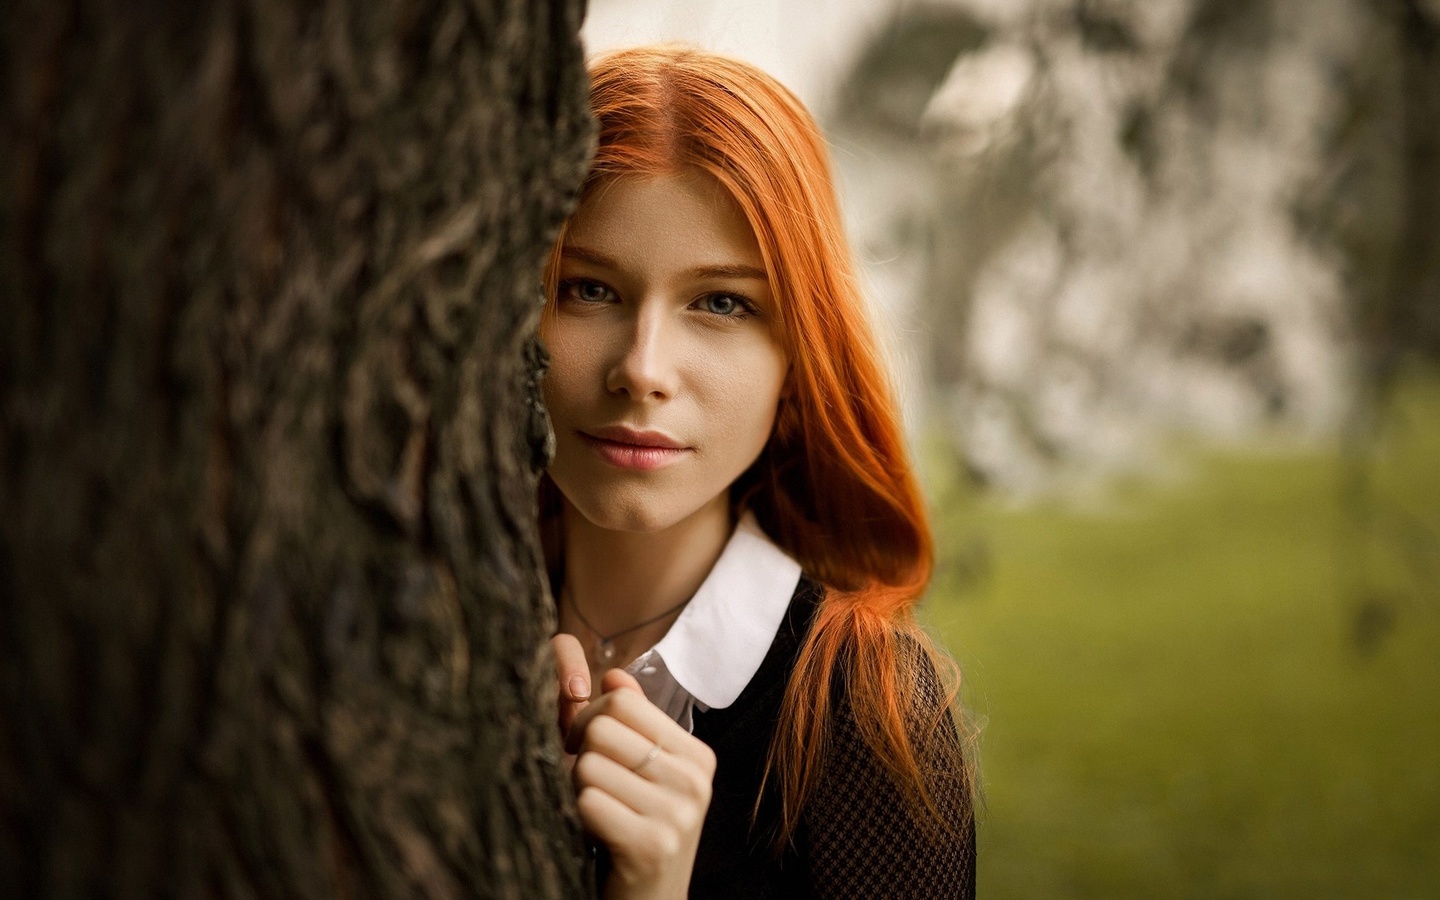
(834, 486)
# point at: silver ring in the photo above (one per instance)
(649, 758)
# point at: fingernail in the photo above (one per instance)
(579, 687)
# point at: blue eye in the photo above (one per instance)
(583, 290)
(731, 306)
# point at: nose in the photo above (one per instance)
(644, 368)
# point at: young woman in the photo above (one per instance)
(736, 539)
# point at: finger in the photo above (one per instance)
(619, 679)
(614, 823)
(572, 671)
(595, 769)
(615, 740)
(686, 779)
(636, 711)
(571, 667)
(684, 776)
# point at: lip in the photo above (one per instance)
(636, 437)
(633, 448)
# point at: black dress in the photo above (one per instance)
(856, 838)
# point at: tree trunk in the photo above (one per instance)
(1415, 329)
(272, 620)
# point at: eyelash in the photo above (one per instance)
(747, 307)
(569, 287)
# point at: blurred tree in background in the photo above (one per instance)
(1133, 218)
(272, 620)
(1414, 300)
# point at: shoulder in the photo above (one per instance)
(911, 692)
(869, 832)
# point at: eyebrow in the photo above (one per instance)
(729, 270)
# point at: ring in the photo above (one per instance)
(649, 758)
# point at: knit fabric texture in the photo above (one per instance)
(864, 841)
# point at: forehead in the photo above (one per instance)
(665, 217)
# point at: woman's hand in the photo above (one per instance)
(642, 787)
(572, 675)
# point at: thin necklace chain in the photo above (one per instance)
(605, 645)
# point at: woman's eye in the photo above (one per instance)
(726, 305)
(586, 291)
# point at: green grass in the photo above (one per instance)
(1174, 699)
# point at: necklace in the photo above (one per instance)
(605, 643)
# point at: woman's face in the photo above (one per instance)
(666, 369)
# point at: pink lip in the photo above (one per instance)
(630, 448)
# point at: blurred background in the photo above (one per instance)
(1160, 284)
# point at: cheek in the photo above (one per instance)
(745, 390)
(572, 360)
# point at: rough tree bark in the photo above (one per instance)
(272, 621)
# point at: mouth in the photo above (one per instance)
(629, 448)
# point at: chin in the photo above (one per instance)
(639, 512)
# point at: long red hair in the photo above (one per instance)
(834, 486)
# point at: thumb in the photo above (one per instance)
(619, 679)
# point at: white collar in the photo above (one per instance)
(719, 640)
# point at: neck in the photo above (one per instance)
(619, 579)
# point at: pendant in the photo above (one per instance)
(605, 650)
